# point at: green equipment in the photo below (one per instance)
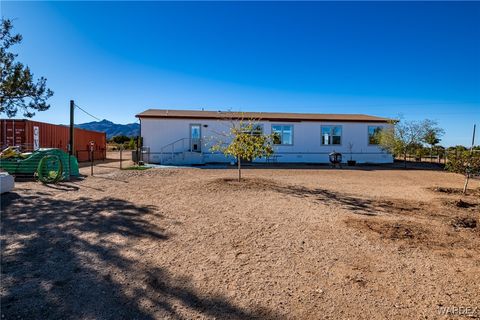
(49, 165)
(50, 169)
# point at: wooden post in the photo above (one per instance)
(138, 159)
(91, 163)
(91, 157)
(120, 158)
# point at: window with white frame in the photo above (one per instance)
(282, 134)
(331, 135)
(373, 133)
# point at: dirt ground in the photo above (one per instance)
(368, 243)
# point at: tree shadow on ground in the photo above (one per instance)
(355, 204)
(79, 259)
(358, 205)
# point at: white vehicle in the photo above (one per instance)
(7, 183)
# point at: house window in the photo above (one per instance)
(282, 134)
(331, 135)
(373, 132)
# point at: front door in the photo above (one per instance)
(196, 137)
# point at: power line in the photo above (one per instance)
(437, 113)
(419, 104)
(91, 115)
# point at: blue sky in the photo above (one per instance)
(115, 59)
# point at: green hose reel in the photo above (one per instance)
(50, 169)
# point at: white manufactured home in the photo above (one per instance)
(183, 137)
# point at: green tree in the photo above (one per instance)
(457, 148)
(439, 150)
(120, 139)
(464, 162)
(131, 144)
(402, 137)
(432, 138)
(18, 90)
(245, 142)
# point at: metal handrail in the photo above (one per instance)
(172, 146)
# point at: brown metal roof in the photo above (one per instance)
(271, 116)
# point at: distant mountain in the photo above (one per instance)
(112, 129)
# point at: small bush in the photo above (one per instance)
(463, 162)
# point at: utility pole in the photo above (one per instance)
(467, 173)
(70, 143)
(473, 138)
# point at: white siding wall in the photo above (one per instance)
(306, 147)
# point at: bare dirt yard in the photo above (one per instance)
(368, 243)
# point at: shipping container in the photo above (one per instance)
(31, 135)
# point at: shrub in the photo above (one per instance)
(463, 162)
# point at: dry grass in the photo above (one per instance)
(188, 243)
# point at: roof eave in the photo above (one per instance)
(140, 116)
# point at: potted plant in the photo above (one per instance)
(351, 162)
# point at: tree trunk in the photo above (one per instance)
(239, 169)
(467, 177)
(405, 160)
